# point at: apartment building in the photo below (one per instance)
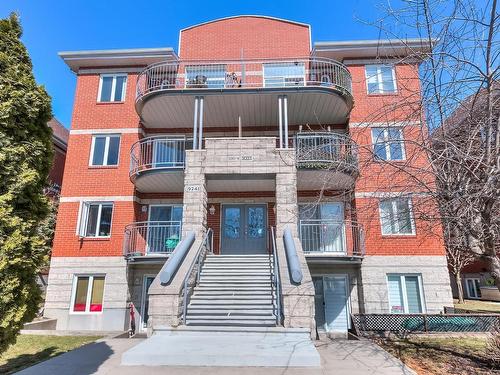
(238, 182)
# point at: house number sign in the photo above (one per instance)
(192, 188)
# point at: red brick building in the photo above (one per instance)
(249, 126)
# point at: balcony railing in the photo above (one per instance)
(151, 238)
(330, 237)
(326, 150)
(244, 74)
(159, 152)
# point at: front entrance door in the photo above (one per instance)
(244, 229)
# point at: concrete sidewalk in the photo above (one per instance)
(338, 357)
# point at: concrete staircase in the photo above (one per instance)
(234, 290)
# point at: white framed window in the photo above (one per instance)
(112, 88)
(95, 219)
(284, 74)
(380, 79)
(105, 150)
(206, 76)
(472, 284)
(388, 143)
(87, 295)
(396, 216)
(405, 294)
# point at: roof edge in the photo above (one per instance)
(246, 15)
(339, 45)
(130, 52)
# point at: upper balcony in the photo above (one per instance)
(318, 91)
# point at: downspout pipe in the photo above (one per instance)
(294, 267)
(175, 260)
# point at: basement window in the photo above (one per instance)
(88, 292)
(112, 88)
(405, 294)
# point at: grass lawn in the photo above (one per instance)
(31, 349)
(478, 305)
(443, 355)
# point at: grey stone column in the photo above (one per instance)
(194, 215)
(298, 300)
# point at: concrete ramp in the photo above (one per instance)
(272, 347)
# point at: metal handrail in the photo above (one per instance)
(151, 237)
(276, 279)
(326, 150)
(199, 259)
(241, 74)
(332, 237)
(158, 152)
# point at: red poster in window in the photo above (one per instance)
(79, 307)
(96, 307)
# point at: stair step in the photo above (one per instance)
(224, 322)
(237, 297)
(231, 317)
(232, 288)
(231, 293)
(230, 302)
(218, 310)
(235, 277)
(223, 313)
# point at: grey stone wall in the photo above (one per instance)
(114, 316)
(435, 280)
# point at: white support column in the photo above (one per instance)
(285, 122)
(200, 128)
(280, 120)
(195, 123)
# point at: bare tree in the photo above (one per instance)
(451, 132)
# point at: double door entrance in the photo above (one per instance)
(244, 229)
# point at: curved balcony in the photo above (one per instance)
(151, 238)
(318, 91)
(325, 160)
(157, 164)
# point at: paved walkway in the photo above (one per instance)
(338, 357)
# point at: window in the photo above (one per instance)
(405, 294)
(380, 79)
(88, 294)
(95, 220)
(206, 76)
(284, 74)
(388, 143)
(396, 216)
(164, 228)
(473, 288)
(104, 150)
(112, 88)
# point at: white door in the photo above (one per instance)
(336, 303)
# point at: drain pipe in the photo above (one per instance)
(175, 260)
(292, 257)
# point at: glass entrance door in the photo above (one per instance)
(244, 229)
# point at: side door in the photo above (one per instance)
(336, 303)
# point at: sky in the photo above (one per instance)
(52, 26)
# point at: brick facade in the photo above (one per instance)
(232, 38)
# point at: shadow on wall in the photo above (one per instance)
(85, 360)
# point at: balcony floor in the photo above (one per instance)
(257, 107)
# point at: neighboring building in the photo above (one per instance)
(60, 137)
(234, 134)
